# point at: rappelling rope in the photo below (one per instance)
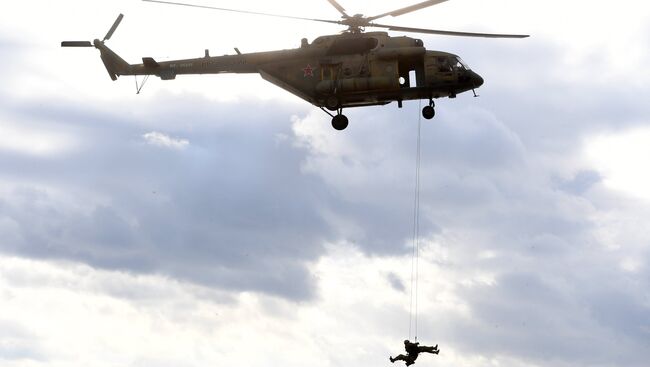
(413, 309)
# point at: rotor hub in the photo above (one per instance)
(356, 23)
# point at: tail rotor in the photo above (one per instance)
(115, 65)
(76, 44)
(113, 28)
(90, 44)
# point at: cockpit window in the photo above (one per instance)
(448, 64)
(460, 64)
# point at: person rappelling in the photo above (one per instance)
(412, 352)
(413, 349)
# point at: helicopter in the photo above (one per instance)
(351, 69)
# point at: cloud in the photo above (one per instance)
(162, 140)
(213, 326)
(581, 182)
(37, 142)
(395, 282)
(17, 345)
(233, 209)
(514, 316)
(621, 158)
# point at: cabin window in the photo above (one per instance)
(444, 64)
(413, 79)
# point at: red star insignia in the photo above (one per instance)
(309, 71)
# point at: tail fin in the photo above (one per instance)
(115, 65)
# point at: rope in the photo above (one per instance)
(413, 317)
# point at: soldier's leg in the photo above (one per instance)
(411, 359)
(400, 357)
(432, 350)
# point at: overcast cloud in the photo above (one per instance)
(181, 226)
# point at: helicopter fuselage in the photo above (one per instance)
(350, 69)
(335, 72)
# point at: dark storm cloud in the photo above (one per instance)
(564, 317)
(232, 210)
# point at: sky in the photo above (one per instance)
(219, 220)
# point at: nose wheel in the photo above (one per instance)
(428, 111)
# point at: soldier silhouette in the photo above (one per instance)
(412, 352)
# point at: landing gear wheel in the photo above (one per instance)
(339, 122)
(428, 112)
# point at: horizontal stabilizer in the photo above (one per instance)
(150, 62)
(76, 44)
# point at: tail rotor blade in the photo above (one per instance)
(76, 44)
(114, 27)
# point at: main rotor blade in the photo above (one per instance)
(241, 11)
(408, 9)
(447, 33)
(114, 27)
(339, 8)
(76, 44)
